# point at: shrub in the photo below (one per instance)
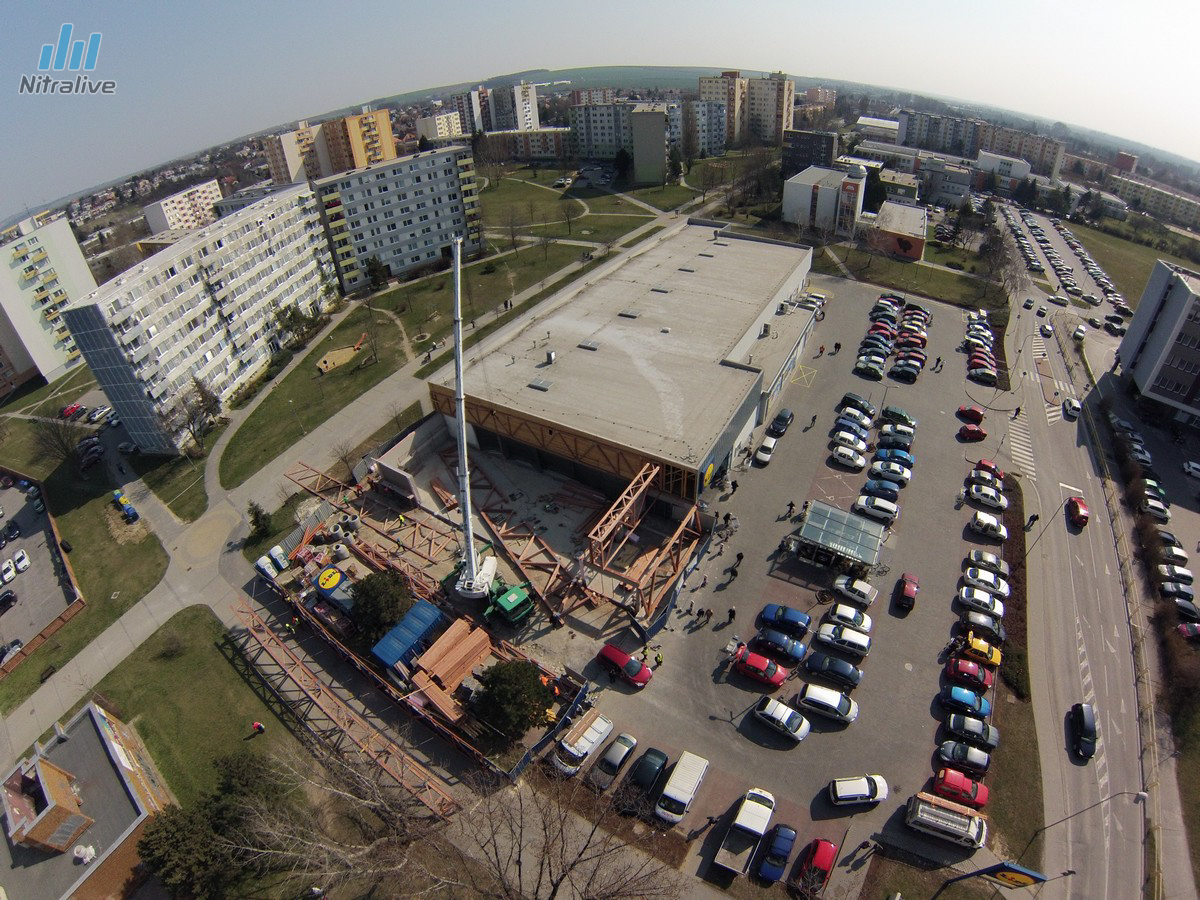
(957, 266)
(1015, 670)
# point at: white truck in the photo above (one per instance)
(944, 819)
(746, 833)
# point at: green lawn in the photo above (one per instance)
(283, 523)
(943, 254)
(177, 481)
(303, 399)
(116, 564)
(531, 204)
(1015, 781)
(189, 703)
(1127, 264)
(664, 197)
(601, 229)
(48, 399)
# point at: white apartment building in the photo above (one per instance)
(474, 110)
(405, 212)
(1157, 200)
(708, 124)
(192, 208)
(1161, 351)
(441, 127)
(826, 200)
(729, 88)
(203, 308)
(769, 103)
(514, 108)
(600, 130)
(45, 271)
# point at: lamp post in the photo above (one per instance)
(1138, 797)
(292, 404)
(1061, 507)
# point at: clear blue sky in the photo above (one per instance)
(190, 75)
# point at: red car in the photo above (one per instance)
(907, 589)
(620, 664)
(971, 433)
(758, 667)
(968, 673)
(1077, 511)
(881, 328)
(911, 340)
(816, 865)
(988, 466)
(69, 411)
(1189, 631)
(954, 785)
(971, 414)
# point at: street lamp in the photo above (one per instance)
(292, 404)
(1138, 797)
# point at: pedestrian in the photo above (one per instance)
(732, 614)
(258, 727)
(1033, 518)
(733, 573)
(821, 350)
(813, 423)
(837, 346)
(1016, 412)
(791, 508)
(658, 659)
(708, 614)
(740, 557)
(691, 606)
(804, 509)
(733, 488)
(937, 364)
(728, 516)
(703, 582)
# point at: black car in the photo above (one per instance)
(1083, 729)
(1187, 609)
(1168, 538)
(895, 442)
(851, 399)
(905, 374)
(633, 798)
(7, 599)
(12, 530)
(1115, 330)
(984, 625)
(836, 670)
(1029, 303)
(780, 423)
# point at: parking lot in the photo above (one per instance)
(40, 592)
(695, 703)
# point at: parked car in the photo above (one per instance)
(842, 637)
(633, 797)
(782, 718)
(890, 471)
(778, 645)
(845, 614)
(765, 451)
(965, 700)
(963, 756)
(844, 456)
(837, 670)
(971, 674)
(977, 649)
(971, 433)
(619, 752)
(21, 560)
(988, 526)
(780, 424)
(886, 490)
(621, 665)
(790, 621)
(859, 789)
(779, 843)
(907, 588)
(973, 730)
(960, 787)
(758, 667)
(974, 598)
(988, 581)
(988, 626)
(816, 866)
(971, 414)
(855, 589)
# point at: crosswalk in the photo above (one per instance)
(1020, 447)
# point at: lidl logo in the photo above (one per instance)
(81, 56)
(70, 56)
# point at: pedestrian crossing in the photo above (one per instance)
(1020, 447)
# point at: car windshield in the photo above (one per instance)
(770, 669)
(791, 721)
(633, 667)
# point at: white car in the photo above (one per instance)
(1155, 509)
(846, 439)
(1139, 453)
(974, 598)
(1071, 408)
(1192, 469)
(782, 718)
(877, 508)
(842, 637)
(863, 789)
(763, 456)
(890, 471)
(7, 572)
(988, 526)
(21, 560)
(988, 581)
(988, 496)
(854, 415)
(844, 456)
(989, 561)
(845, 614)
(1176, 573)
(855, 590)
(897, 430)
(986, 478)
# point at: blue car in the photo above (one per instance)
(783, 618)
(777, 644)
(961, 699)
(779, 848)
(844, 424)
(903, 457)
(884, 490)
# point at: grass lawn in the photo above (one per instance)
(116, 563)
(185, 729)
(943, 254)
(48, 399)
(664, 197)
(1015, 781)
(532, 203)
(601, 229)
(283, 523)
(603, 201)
(1127, 264)
(888, 877)
(177, 481)
(303, 400)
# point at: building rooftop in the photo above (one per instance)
(902, 178)
(1188, 277)
(660, 353)
(899, 218)
(874, 122)
(831, 178)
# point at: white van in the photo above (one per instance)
(682, 788)
(583, 736)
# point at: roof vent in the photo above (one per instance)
(629, 313)
(540, 384)
(589, 345)
(686, 269)
(661, 290)
(709, 255)
(550, 357)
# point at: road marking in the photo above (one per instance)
(1020, 448)
(804, 375)
(1070, 488)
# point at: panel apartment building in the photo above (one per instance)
(203, 308)
(316, 151)
(758, 108)
(602, 130)
(192, 208)
(1161, 351)
(966, 137)
(405, 212)
(1157, 200)
(45, 271)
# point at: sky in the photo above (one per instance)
(192, 75)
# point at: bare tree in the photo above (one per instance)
(569, 212)
(343, 452)
(398, 412)
(512, 221)
(549, 838)
(196, 409)
(57, 439)
(544, 242)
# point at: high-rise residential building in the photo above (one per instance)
(404, 212)
(192, 208)
(820, 95)
(593, 96)
(945, 134)
(802, 149)
(46, 270)
(706, 119)
(648, 126)
(514, 108)
(474, 110)
(729, 88)
(316, 151)
(1125, 162)
(1161, 351)
(600, 131)
(825, 199)
(1044, 154)
(204, 308)
(543, 144)
(441, 127)
(1157, 200)
(769, 104)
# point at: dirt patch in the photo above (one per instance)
(124, 532)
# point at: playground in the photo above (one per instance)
(339, 356)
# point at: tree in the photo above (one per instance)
(57, 439)
(512, 220)
(377, 273)
(260, 522)
(1077, 167)
(196, 409)
(380, 601)
(180, 847)
(623, 163)
(423, 144)
(513, 698)
(674, 164)
(569, 212)
(874, 193)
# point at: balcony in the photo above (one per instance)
(41, 293)
(49, 275)
(52, 313)
(38, 256)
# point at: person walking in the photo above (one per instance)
(739, 558)
(813, 423)
(837, 346)
(1016, 412)
(732, 614)
(708, 614)
(1032, 519)
(791, 508)
(703, 582)
(733, 573)
(821, 350)
(937, 364)
(258, 727)
(733, 486)
(691, 608)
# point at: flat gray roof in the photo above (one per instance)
(845, 533)
(900, 218)
(819, 175)
(659, 354)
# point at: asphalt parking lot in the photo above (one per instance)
(40, 595)
(694, 702)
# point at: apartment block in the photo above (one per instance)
(648, 126)
(543, 144)
(945, 134)
(729, 88)
(1009, 171)
(316, 151)
(769, 104)
(1161, 351)
(706, 119)
(1157, 200)
(441, 127)
(474, 110)
(514, 108)
(600, 131)
(821, 95)
(900, 187)
(802, 149)
(826, 200)
(1125, 162)
(1044, 154)
(45, 271)
(405, 212)
(593, 96)
(192, 208)
(203, 308)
